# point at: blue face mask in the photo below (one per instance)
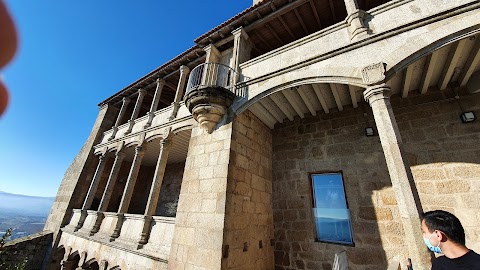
(433, 248)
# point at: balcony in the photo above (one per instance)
(210, 92)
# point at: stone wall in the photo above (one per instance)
(444, 155)
(248, 214)
(31, 250)
(141, 190)
(198, 237)
(170, 190)
(326, 143)
(74, 187)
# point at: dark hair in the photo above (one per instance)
(447, 223)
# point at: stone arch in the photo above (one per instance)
(152, 137)
(317, 79)
(182, 128)
(91, 264)
(410, 52)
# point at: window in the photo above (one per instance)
(330, 209)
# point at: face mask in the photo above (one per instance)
(433, 248)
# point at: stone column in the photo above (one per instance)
(400, 174)
(129, 187)
(212, 56)
(241, 51)
(156, 99)
(165, 146)
(356, 27)
(91, 191)
(179, 94)
(136, 110)
(125, 102)
(107, 194)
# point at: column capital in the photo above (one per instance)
(184, 69)
(140, 150)
(376, 92)
(121, 154)
(160, 82)
(240, 32)
(126, 100)
(142, 92)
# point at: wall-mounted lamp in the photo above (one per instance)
(369, 131)
(468, 117)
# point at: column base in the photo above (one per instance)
(81, 221)
(98, 223)
(115, 129)
(147, 227)
(118, 227)
(176, 106)
(149, 121)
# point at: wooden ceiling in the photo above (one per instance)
(447, 67)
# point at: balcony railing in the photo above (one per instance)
(212, 75)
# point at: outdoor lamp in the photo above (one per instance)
(468, 117)
(369, 131)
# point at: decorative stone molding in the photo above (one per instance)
(374, 73)
(376, 92)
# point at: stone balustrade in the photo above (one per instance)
(159, 241)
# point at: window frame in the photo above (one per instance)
(313, 204)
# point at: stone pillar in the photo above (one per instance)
(129, 187)
(125, 102)
(241, 51)
(212, 56)
(179, 94)
(400, 174)
(156, 99)
(91, 191)
(136, 110)
(356, 27)
(107, 194)
(165, 146)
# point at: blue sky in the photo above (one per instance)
(73, 55)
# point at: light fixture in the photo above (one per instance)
(468, 117)
(369, 131)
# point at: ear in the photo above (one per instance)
(441, 236)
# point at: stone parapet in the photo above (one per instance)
(31, 250)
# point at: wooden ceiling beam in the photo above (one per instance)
(289, 96)
(267, 25)
(320, 97)
(306, 100)
(270, 47)
(315, 13)
(452, 60)
(259, 111)
(471, 63)
(332, 9)
(299, 18)
(428, 71)
(286, 27)
(276, 99)
(336, 96)
(407, 80)
(353, 95)
(272, 109)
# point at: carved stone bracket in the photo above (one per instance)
(373, 74)
(208, 105)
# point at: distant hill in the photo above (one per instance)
(16, 204)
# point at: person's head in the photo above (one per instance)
(440, 224)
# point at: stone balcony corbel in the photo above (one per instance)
(210, 92)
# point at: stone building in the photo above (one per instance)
(294, 131)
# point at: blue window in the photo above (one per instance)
(330, 209)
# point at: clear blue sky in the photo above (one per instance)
(75, 54)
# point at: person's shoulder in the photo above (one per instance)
(441, 262)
